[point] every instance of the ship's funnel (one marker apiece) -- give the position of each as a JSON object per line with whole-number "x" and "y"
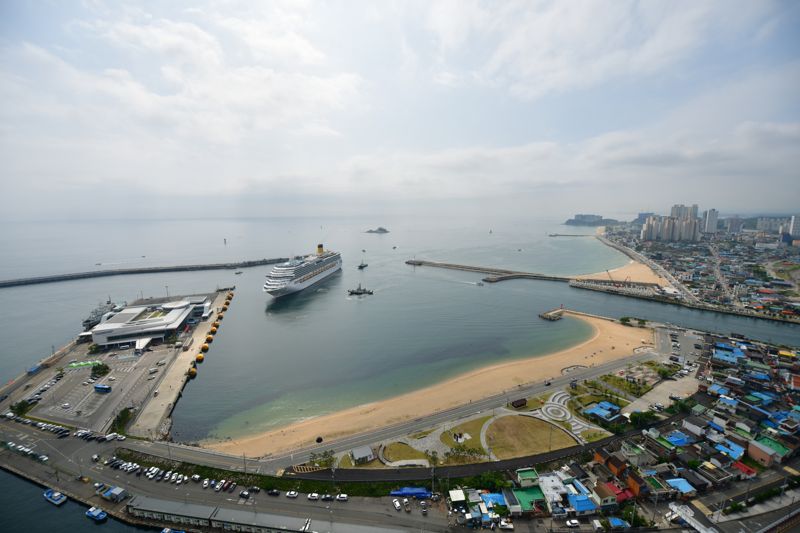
{"x": 319, "y": 249}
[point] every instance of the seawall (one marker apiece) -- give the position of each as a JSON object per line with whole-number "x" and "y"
{"x": 143, "y": 270}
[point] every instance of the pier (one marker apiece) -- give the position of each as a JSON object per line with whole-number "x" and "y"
{"x": 140, "y": 270}
{"x": 494, "y": 274}
{"x": 553, "y": 314}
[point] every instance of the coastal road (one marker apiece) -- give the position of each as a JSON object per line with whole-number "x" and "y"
{"x": 71, "y": 457}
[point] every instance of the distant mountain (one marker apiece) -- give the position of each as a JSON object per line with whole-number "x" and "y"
{"x": 379, "y": 229}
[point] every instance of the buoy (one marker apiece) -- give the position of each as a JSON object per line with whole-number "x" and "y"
{"x": 225, "y": 307}
{"x": 209, "y": 338}
{"x": 215, "y": 324}
{"x": 220, "y": 316}
{"x": 204, "y": 347}
{"x": 192, "y": 372}
{"x": 199, "y": 358}
{"x": 212, "y": 330}
{"x": 230, "y": 294}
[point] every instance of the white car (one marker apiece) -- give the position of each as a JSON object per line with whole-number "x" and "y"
{"x": 205, "y": 483}
{"x": 573, "y": 523}
{"x": 291, "y": 494}
{"x": 218, "y": 487}
{"x": 396, "y": 504}
{"x": 313, "y": 496}
{"x": 341, "y": 497}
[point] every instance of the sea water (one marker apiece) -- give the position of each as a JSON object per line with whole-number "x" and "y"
{"x": 278, "y": 361}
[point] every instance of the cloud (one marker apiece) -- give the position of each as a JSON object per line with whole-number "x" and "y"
{"x": 541, "y": 47}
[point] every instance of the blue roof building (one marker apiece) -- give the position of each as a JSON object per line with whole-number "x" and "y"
{"x": 601, "y": 413}
{"x": 582, "y": 504}
{"x": 678, "y": 438}
{"x": 718, "y": 390}
{"x": 731, "y": 449}
{"x": 682, "y": 486}
{"x": 608, "y": 406}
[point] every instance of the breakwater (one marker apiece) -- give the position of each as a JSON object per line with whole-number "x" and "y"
{"x": 141, "y": 270}
{"x": 494, "y": 274}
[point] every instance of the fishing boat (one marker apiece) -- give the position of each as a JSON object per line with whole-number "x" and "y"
{"x": 362, "y": 265}
{"x": 360, "y": 291}
{"x": 54, "y": 497}
{"x": 96, "y": 514}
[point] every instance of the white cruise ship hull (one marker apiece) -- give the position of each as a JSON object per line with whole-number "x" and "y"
{"x": 295, "y": 286}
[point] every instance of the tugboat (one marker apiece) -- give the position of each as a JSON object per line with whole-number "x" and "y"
{"x": 360, "y": 291}
{"x": 54, "y": 497}
{"x": 96, "y": 514}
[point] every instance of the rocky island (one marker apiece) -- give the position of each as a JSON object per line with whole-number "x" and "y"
{"x": 379, "y": 229}
{"x": 590, "y": 220}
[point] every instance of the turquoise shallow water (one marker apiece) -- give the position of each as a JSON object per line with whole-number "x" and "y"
{"x": 318, "y": 351}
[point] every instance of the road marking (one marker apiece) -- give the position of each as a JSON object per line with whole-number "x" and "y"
{"x": 702, "y": 507}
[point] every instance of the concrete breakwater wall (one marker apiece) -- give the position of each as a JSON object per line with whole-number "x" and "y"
{"x": 141, "y": 270}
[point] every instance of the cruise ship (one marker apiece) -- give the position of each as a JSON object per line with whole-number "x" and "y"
{"x": 301, "y": 272}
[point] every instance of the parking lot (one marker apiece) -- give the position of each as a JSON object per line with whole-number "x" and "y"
{"x": 677, "y": 344}
{"x": 73, "y": 400}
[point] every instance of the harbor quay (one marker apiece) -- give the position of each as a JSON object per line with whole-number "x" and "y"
{"x": 130, "y": 366}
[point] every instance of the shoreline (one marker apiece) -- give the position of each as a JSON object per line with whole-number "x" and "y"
{"x": 610, "y": 341}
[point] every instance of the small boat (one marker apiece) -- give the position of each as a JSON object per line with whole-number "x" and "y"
{"x": 54, "y": 497}
{"x": 360, "y": 291}
{"x": 363, "y": 265}
{"x": 479, "y": 284}
{"x": 238, "y": 272}
{"x": 96, "y": 514}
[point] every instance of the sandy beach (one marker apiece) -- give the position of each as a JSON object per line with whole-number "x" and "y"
{"x": 634, "y": 270}
{"x": 610, "y": 341}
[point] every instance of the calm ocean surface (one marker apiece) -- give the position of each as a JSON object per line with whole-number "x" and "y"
{"x": 319, "y": 350}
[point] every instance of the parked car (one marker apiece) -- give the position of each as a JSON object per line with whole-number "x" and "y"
{"x": 341, "y": 497}
{"x": 396, "y": 504}
{"x": 327, "y": 498}
{"x": 573, "y": 523}
{"x": 274, "y": 492}
{"x": 244, "y": 494}
{"x": 291, "y": 494}
{"x": 313, "y": 496}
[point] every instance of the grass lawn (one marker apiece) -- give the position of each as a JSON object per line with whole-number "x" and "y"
{"x": 534, "y": 402}
{"x": 592, "y": 435}
{"x": 624, "y": 385}
{"x": 516, "y": 436}
{"x": 422, "y": 434}
{"x": 345, "y": 462}
{"x": 399, "y": 451}
{"x": 473, "y": 427}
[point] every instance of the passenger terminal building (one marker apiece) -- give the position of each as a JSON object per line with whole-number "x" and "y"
{"x": 152, "y": 321}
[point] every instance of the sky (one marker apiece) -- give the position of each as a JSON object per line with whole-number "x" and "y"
{"x": 228, "y": 108}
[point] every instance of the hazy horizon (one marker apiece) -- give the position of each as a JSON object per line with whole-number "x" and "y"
{"x": 234, "y": 109}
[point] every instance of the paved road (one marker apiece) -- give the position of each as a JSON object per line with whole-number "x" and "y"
{"x": 72, "y": 457}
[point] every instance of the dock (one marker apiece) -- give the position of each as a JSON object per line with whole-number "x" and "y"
{"x": 142, "y": 270}
{"x": 493, "y": 274}
{"x": 154, "y": 421}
